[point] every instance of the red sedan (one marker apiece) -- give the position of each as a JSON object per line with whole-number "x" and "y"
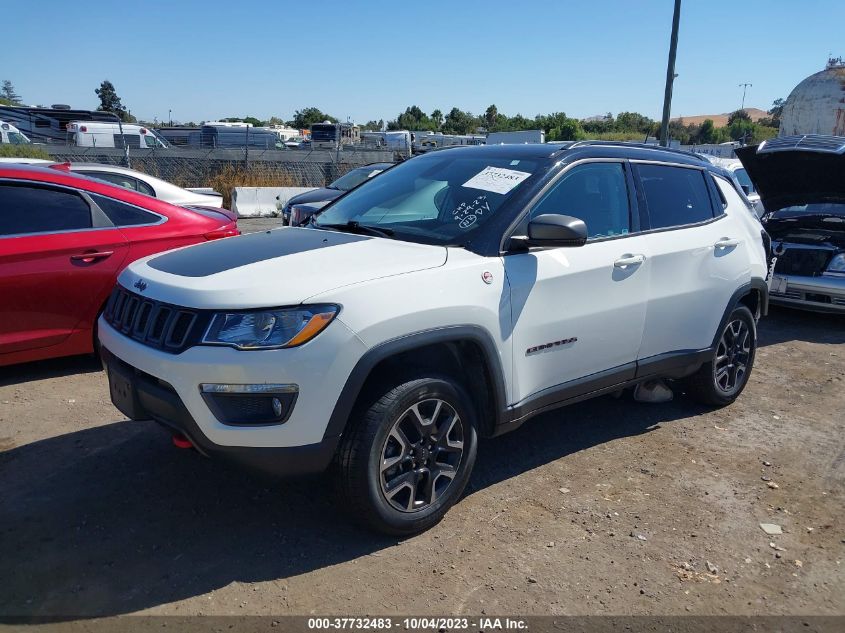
{"x": 63, "y": 241}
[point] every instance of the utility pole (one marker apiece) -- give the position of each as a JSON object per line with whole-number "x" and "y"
{"x": 744, "y": 88}
{"x": 670, "y": 76}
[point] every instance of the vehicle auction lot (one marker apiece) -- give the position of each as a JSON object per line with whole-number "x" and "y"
{"x": 609, "y": 506}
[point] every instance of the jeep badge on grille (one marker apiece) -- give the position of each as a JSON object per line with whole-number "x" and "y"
{"x": 141, "y": 285}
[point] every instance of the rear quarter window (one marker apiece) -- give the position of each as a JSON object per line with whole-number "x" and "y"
{"x": 122, "y": 214}
{"x": 675, "y": 196}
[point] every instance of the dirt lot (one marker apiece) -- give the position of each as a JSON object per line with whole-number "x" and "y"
{"x": 607, "y": 507}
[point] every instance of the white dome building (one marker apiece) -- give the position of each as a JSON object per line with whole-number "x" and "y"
{"x": 817, "y": 104}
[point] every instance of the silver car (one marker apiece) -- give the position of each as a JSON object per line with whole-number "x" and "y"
{"x": 801, "y": 181}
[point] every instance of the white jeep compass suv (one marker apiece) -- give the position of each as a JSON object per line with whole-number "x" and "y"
{"x": 453, "y": 297}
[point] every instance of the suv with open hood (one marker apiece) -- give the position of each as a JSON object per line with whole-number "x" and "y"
{"x": 801, "y": 181}
{"x": 452, "y": 297}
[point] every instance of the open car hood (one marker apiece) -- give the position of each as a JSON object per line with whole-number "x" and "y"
{"x": 793, "y": 171}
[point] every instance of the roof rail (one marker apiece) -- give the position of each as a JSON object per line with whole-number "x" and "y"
{"x": 804, "y": 142}
{"x": 634, "y": 144}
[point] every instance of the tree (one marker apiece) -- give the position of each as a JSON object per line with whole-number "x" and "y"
{"x": 738, "y": 115}
{"x": 8, "y": 93}
{"x": 303, "y": 119}
{"x": 567, "y": 130}
{"x": 491, "y": 116}
{"x": 110, "y": 102}
{"x": 437, "y": 119}
{"x": 706, "y": 133}
{"x": 459, "y": 122}
{"x": 775, "y": 113}
{"x": 633, "y": 122}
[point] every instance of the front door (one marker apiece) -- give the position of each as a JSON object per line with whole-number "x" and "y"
{"x": 54, "y": 264}
{"x": 578, "y": 313}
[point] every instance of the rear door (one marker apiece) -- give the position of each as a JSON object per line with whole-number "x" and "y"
{"x": 59, "y": 256}
{"x": 696, "y": 259}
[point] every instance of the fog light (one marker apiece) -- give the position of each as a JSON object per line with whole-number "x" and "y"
{"x": 250, "y": 405}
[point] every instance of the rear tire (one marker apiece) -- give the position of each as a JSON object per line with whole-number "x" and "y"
{"x": 407, "y": 457}
{"x": 720, "y": 381}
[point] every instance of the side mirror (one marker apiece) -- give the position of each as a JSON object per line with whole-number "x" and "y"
{"x": 746, "y": 189}
{"x": 551, "y": 229}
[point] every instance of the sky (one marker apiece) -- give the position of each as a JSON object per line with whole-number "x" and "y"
{"x": 370, "y": 59}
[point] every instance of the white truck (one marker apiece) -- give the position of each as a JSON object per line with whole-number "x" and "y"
{"x": 453, "y": 297}
{"x": 520, "y": 137}
{"x": 100, "y": 134}
{"x": 11, "y": 135}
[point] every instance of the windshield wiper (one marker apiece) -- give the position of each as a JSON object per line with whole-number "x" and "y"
{"x": 356, "y": 227}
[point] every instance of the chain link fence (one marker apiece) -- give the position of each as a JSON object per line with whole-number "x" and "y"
{"x": 203, "y": 167}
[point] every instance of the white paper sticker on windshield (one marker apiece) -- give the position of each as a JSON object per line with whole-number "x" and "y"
{"x": 496, "y": 179}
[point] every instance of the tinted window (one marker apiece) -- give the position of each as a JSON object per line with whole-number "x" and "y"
{"x": 122, "y": 214}
{"x": 145, "y": 188}
{"x": 26, "y": 209}
{"x": 744, "y": 180}
{"x": 596, "y": 193}
{"x": 675, "y": 195}
{"x": 120, "y": 180}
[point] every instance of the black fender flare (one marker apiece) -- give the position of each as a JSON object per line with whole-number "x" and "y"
{"x": 451, "y": 334}
{"x": 757, "y": 284}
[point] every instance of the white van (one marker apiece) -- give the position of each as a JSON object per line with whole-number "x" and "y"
{"x": 99, "y": 134}
{"x": 11, "y": 135}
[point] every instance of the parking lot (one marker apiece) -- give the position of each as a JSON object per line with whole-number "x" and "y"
{"x": 609, "y": 506}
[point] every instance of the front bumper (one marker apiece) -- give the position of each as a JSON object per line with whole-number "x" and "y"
{"x": 166, "y": 388}
{"x": 825, "y": 293}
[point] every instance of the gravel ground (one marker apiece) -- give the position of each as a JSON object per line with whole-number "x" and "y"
{"x": 607, "y": 507}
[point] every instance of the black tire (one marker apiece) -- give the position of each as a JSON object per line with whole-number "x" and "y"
{"x": 720, "y": 381}
{"x": 427, "y": 475}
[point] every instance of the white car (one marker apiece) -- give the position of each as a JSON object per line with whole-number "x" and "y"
{"x": 144, "y": 183}
{"x": 453, "y": 297}
{"x": 735, "y": 167}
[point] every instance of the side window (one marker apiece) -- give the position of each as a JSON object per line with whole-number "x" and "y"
{"x": 122, "y": 214}
{"x": 132, "y": 140}
{"x": 596, "y": 193}
{"x": 145, "y": 188}
{"x": 32, "y": 209}
{"x": 675, "y": 195}
{"x": 120, "y": 180}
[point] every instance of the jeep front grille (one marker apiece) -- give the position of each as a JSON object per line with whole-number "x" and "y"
{"x": 154, "y": 323}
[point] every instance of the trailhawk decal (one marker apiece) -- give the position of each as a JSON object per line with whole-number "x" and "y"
{"x": 545, "y": 347}
{"x": 215, "y": 257}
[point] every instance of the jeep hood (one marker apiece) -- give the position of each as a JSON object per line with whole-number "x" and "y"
{"x": 273, "y": 268}
{"x": 794, "y": 177}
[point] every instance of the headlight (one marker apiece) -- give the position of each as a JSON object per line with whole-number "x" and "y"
{"x": 837, "y": 264}
{"x": 269, "y": 329}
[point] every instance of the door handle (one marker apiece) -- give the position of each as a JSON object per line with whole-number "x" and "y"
{"x": 91, "y": 256}
{"x": 726, "y": 242}
{"x": 629, "y": 260}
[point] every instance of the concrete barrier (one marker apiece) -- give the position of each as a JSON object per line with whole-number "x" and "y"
{"x": 253, "y": 202}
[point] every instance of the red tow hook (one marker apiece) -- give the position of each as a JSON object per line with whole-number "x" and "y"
{"x": 180, "y": 441}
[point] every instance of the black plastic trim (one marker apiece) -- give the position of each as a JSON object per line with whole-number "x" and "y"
{"x": 361, "y": 371}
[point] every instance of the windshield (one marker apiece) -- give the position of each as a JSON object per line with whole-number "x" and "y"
{"x": 744, "y": 180}
{"x": 439, "y": 198}
{"x": 818, "y": 208}
{"x": 354, "y": 178}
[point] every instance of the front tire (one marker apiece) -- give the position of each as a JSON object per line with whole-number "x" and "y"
{"x": 720, "y": 381}
{"x": 408, "y": 456}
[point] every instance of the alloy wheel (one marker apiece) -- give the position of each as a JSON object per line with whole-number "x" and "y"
{"x": 421, "y": 455}
{"x": 733, "y": 354}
